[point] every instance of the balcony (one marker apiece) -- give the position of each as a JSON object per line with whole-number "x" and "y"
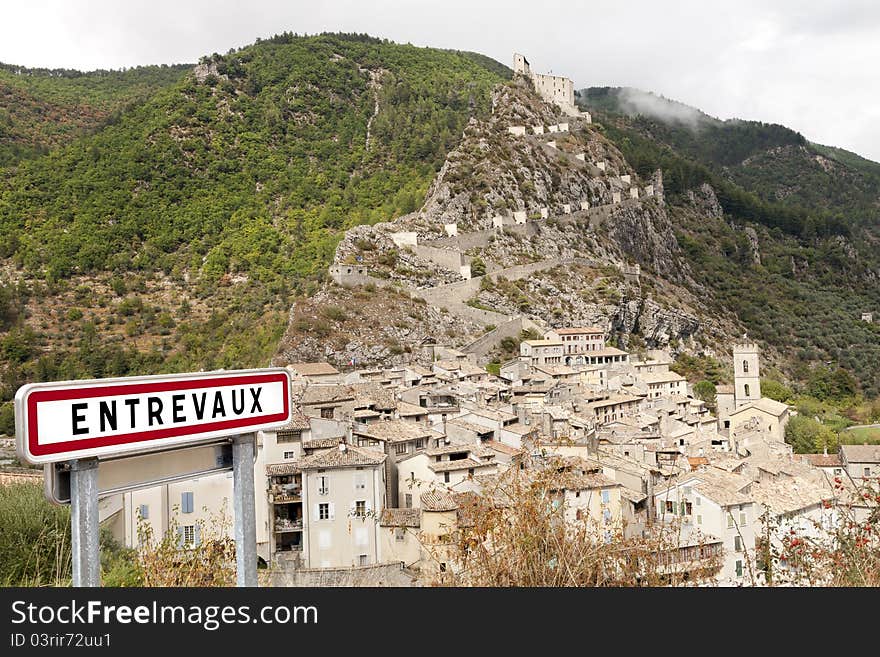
{"x": 282, "y": 493}
{"x": 283, "y": 525}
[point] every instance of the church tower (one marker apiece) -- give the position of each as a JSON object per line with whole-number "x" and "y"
{"x": 746, "y": 373}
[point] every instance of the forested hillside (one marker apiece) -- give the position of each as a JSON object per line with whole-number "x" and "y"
{"x": 796, "y": 253}
{"x": 177, "y": 235}
{"x": 41, "y": 109}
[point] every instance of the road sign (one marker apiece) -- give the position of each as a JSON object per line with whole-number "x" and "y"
{"x": 110, "y": 417}
{"x": 133, "y": 472}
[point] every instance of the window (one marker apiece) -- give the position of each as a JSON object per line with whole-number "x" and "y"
{"x": 697, "y": 501}
{"x": 670, "y": 507}
{"x": 399, "y": 534}
{"x": 699, "y": 519}
{"x": 360, "y": 481}
{"x": 408, "y": 500}
{"x": 730, "y": 520}
{"x": 323, "y": 485}
{"x": 837, "y": 471}
{"x": 289, "y": 455}
{"x": 742, "y": 519}
{"x": 288, "y": 436}
{"x": 446, "y": 477}
{"x": 360, "y": 508}
{"x": 737, "y": 544}
{"x": 188, "y": 536}
{"x": 363, "y": 560}
{"x": 186, "y": 503}
{"x": 420, "y": 443}
{"x": 746, "y": 368}
{"x": 323, "y": 511}
{"x": 606, "y": 496}
{"x": 747, "y": 390}
{"x": 470, "y": 472}
{"x": 327, "y": 413}
{"x": 144, "y": 511}
{"x": 739, "y": 568}
{"x": 400, "y": 448}
{"x": 442, "y": 566}
{"x": 608, "y": 536}
{"x": 867, "y": 472}
{"x": 606, "y": 514}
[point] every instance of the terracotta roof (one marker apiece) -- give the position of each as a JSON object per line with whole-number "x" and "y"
{"x": 438, "y": 500}
{"x": 696, "y": 461}
{"x": 321, "y": 443}
{"x": 336, "y": 458}
{"x": 543, "y": 343}
{"x": 279, "y": 469}
{"x": 451, "y": 448}
{"x": 724, "y": 390}
{"x": 587, "y": 481}
{"x": 520, "y": 428}
{"x": 821, "y": 460}
{"x": 720, "y": 486}
{"x": 298, "y": 420}
{"x": 763, "y": 404}
{"x": 460, "y": 464}
{"x": 577, "y": 331}
{"x": 394, "y": 431}
{"x": 470, "y": 426}
{"x": 325, "y": 394}
{"x": 401, "y": 518}
{"x": 501, "y": 447}
{"x": 405, "y": 409}
{"x": 861, "y": 453}
{"x": 312, "y": 369}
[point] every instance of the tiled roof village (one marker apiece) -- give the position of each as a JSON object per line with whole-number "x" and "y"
{"x": 379, "y": 468}
{"x": 378, "y": 465}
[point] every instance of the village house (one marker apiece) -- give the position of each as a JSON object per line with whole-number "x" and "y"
{"x": 443, "y": 466}
{"x": 314, "y": 372}
{"x": 343, "y": 494}
{"x": 541, "y": 352}
{"x": 861, "y": 461}
{"x": 577, "y": 342}
{"x": 719, "y": 505}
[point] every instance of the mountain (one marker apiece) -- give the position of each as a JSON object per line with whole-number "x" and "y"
{"x": 796, "y": 254}
{"x": 186, "y": 219}
{"x": 175, "y": 236}
{"x": 41, "y": 109}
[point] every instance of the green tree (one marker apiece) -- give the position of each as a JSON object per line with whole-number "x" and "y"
{"x": 775, "y": 390}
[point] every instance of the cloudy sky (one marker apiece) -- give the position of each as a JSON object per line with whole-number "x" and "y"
{"x": 808, "y": 64}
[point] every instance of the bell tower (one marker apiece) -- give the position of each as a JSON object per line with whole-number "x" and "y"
{"x": 746, "y": 373}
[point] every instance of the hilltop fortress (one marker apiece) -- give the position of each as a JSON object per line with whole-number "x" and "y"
{"x": 554, "y": 89}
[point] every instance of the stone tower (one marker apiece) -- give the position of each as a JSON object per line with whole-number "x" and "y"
{"x": 521, "y": 65}
{"x": 746, "y": 373}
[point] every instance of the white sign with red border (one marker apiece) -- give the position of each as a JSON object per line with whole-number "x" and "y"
{"x": 110, "y": 417}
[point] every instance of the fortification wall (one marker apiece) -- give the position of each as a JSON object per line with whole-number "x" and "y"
{"x": 447, "y": 258}
{"x": 386, "y": 574}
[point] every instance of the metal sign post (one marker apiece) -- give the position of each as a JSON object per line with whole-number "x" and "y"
{"x": 84, "y": 522}
{"x": 133, "y": 424}
{"x": 245, "y": 510}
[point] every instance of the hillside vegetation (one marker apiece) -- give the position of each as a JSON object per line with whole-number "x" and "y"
{"x": 41, "y": 109}
{"x": 175, "y": 237}
{"x": 795, "y": 254}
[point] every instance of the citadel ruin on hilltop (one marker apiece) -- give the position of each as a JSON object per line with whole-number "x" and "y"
{"x": 554, "y": 89}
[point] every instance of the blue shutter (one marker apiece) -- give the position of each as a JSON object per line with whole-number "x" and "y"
{"x": 197, "y": 535}
{"x": 186, "y": 503}
{"x": 180, "y": 541}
